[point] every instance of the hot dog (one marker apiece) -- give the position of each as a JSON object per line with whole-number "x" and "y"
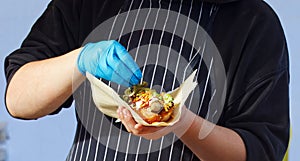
{"x": 150, "y": 105}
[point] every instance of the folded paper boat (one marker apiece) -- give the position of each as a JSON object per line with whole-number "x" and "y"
{"x": 107, "y": 100}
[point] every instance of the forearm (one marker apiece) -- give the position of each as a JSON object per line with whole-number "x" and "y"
{"x": 220, "y": 144}
{"x": 39, "y": 88}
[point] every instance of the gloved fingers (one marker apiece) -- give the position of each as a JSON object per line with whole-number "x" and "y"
{"x": 126, "y": 58}
{"x": 133, "y": 67}
{"x": 109, "y": 60}
{"x": 122, "y": 64}
{"x": 116, "y": 78}
{"x": 134, "y": 79}
{"x": 109, "y": 73}
{"x": 121, "y": 73}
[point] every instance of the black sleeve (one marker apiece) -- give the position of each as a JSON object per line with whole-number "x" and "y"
{"x": 53, "y": 34}
{"x": 257, "y": 105}
{"x": 261, "y": 117}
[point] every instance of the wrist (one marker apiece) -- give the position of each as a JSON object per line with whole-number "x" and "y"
{"x": 187, "y": 121}
{"x": 81, "y": 58}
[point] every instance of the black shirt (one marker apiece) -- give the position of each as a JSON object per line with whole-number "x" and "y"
{"x": 249, "y": 40}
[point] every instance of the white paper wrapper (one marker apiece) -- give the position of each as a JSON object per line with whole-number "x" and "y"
{"x": 108, "y": 101}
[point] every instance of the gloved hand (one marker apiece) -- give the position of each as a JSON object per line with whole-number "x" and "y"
{"x": 109, "y": 60}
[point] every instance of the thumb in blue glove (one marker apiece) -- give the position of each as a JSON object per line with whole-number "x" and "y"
{"x": 109, "y": 60}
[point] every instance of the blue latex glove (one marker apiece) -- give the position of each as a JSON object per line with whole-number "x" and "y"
{"x": 109, "y": 60}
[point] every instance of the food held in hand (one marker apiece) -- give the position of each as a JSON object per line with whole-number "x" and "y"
{"x": 150, "y": 105}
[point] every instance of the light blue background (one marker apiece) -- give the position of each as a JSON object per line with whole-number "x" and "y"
{"x": 50, "y": 138}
